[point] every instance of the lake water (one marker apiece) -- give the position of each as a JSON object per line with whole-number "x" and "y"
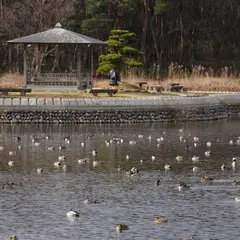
{"x": 35, "y": 206}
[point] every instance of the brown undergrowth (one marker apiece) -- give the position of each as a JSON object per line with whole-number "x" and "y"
{"x": 195, "y": 83}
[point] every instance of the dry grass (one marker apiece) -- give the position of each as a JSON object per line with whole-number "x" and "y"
{"x": 11, "y": 80}
{"x": 196, "y": 83}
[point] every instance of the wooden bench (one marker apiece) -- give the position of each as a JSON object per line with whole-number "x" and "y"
{"x": 110, "y": 92}
{"x": 141, "y": 83}
{"x": 155, "y": 88}
{"x": 22, "y": 91}
{"x": 175, "y": 87}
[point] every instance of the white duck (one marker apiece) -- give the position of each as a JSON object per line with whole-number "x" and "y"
{"x": 72, "y": 213}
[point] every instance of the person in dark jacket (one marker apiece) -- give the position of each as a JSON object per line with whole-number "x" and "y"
{"x": 114, "y": 77}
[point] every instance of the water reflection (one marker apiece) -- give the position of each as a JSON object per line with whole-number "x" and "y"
{"x": 35, "y": 205}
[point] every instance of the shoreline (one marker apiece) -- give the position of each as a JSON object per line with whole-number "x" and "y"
{"x": 118, "y": 110}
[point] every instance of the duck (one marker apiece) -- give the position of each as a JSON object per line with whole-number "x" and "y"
{"x": 94, "y": 152}
{"x": 11, "y": 163}
{"x": 195, "y": 169}
{"x": 196, "y": 139}
{"x": 179, "y": 158}
{"x": 153, "y": 157}
{"x": 235, "y": 182}
{"x": 72, "y": 213}
{"x": 195, "y": 158}
{"x": 39, "y": 170}
{"x": 208, "y": 153}
{"x": 96, "y": 163}
{"x": 157, "y": 182}
{"x": 62, "y": 147}
{"x": 237, "y": 199}
{"x": 182, "y": 185}
{"x": 50, "y": 148}
{"x": 121, "y": 227}
{"x": 57, "y": 163}
{"x": 159, "y": 220}
{"x": 83, "y": 161}
{"x": 61, "y": 158}
{"x": 11, "y": 153}
{"x": 209, "y": 144}
{"x": 89, "y": 201}
{"x": 207, "y": 178}
{"x": 167, "y": 167}
{"x": 13, "y": 237}
{"x": 223, "y": 167}
{"x": 234, "y": 162}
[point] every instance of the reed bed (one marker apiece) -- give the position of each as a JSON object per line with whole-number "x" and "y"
{"x": 199, "y": 79}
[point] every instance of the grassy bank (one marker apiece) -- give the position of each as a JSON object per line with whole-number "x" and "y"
{"x": 129, "y": 88}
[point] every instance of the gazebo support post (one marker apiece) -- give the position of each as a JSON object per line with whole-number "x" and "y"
{"x": 25, "y": 65}
{"x": 79, "y": 84}
{"x": 90, "y": 80}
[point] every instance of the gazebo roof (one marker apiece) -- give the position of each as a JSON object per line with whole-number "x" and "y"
{"x": 57, "y": 35}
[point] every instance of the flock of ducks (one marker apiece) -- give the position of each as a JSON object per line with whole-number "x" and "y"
{"x": 61, "y": 163}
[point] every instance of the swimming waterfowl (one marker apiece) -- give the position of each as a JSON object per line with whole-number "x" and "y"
{"x": 223, "y": 167}
{"x": 195, "y": 139}
{"x": 167, "y": 167}
{"x": 179, "y": 158}
{"x": 50, "y": 148}
{"x": 208, "y": 153}
{"x": 157, "y": 182}
{"x": 181, "y": 138}
{"x": 13, "y": 237}
{"x": 121, "y": 227}
{"x": 83, "y": 161}
{"x": 195, "y": 158}
{"x": 61, "y": 158}
{"x": 182, "y": 185}
{"x": 96, "y": 163}
{"x": 36, "y": 143}
{"x": 39, "y": 170}
{"x": 94, "y": 152}
{"x": 237, "y": 199}
{"x": 11, "y": 153}
{"x": 209, "y": 144}
{"x": 57, "y": 163}
{"x": 195, "y": 169}
{"x": 207, "y": 178}
{"x": 153, "y": 157}
{"x": 235, "y": 182}
{"x": 234, "y": 162}
{"x": 11, "y": 163}
{"x": 62, "y": 147}
{"x": 159, "y": 220}
{"x": 72, "y": 213}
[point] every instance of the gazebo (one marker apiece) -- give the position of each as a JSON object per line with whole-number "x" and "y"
{"x": 57, "y": 36}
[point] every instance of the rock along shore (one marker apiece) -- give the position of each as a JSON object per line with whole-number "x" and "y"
{"x": 118, "y": 110}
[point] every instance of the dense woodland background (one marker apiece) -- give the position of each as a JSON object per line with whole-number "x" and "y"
{"x": 186, "y": 33}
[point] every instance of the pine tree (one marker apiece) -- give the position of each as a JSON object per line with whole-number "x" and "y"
{"x": 121, "y": 54}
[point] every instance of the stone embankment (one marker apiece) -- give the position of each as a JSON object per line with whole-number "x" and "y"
{"x": 118, "y": 110}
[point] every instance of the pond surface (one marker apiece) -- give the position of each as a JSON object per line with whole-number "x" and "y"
{"x": 35, "y": 206}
